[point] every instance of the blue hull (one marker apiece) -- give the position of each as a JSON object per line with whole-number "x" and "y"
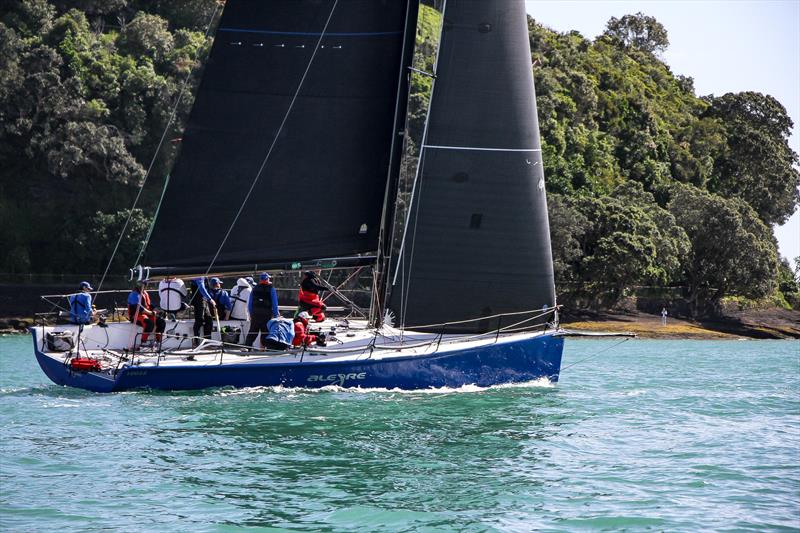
{"x": 506, "y": 362}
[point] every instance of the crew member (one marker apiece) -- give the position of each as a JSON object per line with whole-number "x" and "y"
{"x": 263, "y": 306}
{"x": 301, "y": 335}
{"x": 80, "y": 305}
{"x": 221, "y": 298}
{"x": 203, "y": 304}
{"x": 141, "y": 312}
{"x": 240, "y": 295}
{"x": 279, "y": 334}
{"x": 172, "y": 295}
{"x": 308, "y": 298}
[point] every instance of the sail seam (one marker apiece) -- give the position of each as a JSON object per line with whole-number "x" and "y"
{"x": 314, "y": 34}
{"x": 481, "y": 149}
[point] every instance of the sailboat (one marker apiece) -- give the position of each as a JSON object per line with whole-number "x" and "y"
{"x": 291, "y": 160}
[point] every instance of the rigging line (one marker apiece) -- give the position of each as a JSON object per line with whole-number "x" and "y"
{"x": 406, "y": 288}
{"x": 153, "y": 222}
{"x": 376, "y": 299}
{"x": 275, "y": 139}
{"x": 422, "y": 145}
{"x": 174, "y": 112}
{"x": 407, "y": 283}
{"x": 594, "y": 355}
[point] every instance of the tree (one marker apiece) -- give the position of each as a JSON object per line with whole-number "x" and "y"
{"x": 733, "y": 252}
{"x": 628, "y": 240}
{"x": 639, "y": 32}
{"x": 758, "y": 165}
{"x": 567, "y": 226}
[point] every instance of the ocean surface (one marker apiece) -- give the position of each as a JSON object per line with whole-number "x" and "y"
{"x": 643, "y": 435}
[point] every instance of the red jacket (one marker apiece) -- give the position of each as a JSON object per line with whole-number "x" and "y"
{"x": 300, "y": 336}
{"x": 311, "y": 299}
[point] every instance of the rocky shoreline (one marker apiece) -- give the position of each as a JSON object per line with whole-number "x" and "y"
{"x": 754, "y": 324}
{"x": 751, "y": 324}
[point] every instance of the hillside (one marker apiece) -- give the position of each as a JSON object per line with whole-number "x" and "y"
{"x": 654, "y": 191}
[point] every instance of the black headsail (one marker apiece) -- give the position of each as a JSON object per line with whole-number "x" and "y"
{"x": 321, "y": 192}
{"x": 477, "y": 241}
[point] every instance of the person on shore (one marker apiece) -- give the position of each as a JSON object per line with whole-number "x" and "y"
{"x": 263, "y": 306}
{"x": 172, "y": 296}
{"x": 240, "y": 296}
{"x": 141, "y": 312}
{"x": 308, "y": 298}
{"x": 222, "y": 299}
{"x": 203, "y": 306}
{"x": 664, "y": 316}
{"x": 81, "y": 311}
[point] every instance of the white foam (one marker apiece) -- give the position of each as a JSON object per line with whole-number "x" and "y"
{"x": 471, "y": 388}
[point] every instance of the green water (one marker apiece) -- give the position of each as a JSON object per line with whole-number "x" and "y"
{"x": 650, "y": 435}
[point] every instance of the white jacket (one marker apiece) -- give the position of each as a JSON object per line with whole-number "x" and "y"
{"x": 171, "y": 294}
{"x": 240, "y": 294}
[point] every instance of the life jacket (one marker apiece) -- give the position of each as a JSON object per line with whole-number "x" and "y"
{"x": 239, "y": 297}
{"x": 171, "y": 294}
{"x": 262, "y": 298}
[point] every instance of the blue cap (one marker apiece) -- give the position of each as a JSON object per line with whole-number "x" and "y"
{"x": 264, "y": 276}
{"x": 86, "y": 285}
{"x": 215, "y": 281}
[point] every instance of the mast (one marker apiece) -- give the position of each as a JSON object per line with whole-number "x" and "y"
{"x": 386, "y": 231}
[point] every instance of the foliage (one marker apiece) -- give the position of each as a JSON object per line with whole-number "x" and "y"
{"x": 639, "y": 32}
{"x": 647, "y": 182}
{"x": 733, "y": 251}
{"x": 757, "y": 164}
{"x": 614, "y": 241}
{"x": 86, "y": 90}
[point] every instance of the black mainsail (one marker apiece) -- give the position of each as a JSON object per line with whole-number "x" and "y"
{"x": 477, "y": 240}
{"x": 321, "y": 193}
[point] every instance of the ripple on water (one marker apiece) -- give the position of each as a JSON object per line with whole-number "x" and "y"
{"x": 652, "y": 435}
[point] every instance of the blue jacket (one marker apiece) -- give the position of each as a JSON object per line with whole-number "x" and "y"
{"x": 200, "y": 286}
{"x": 222, "y": 298}
{"x": 281, "y": 330}
{"x": 80, "y": 308}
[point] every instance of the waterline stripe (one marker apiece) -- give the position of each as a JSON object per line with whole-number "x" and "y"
{"x": 312, "y": 34}
{"x": 482, "y": 149}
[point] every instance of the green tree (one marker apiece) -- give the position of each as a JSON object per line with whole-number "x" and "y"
{"x": 758, "y": 165}
{"x": 733, "y": 252}
{"x": 567, "y": 226}
{"x": 639, "y": 32}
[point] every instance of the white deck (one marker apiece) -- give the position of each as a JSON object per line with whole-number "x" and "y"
{"x": 353, "y": 341}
